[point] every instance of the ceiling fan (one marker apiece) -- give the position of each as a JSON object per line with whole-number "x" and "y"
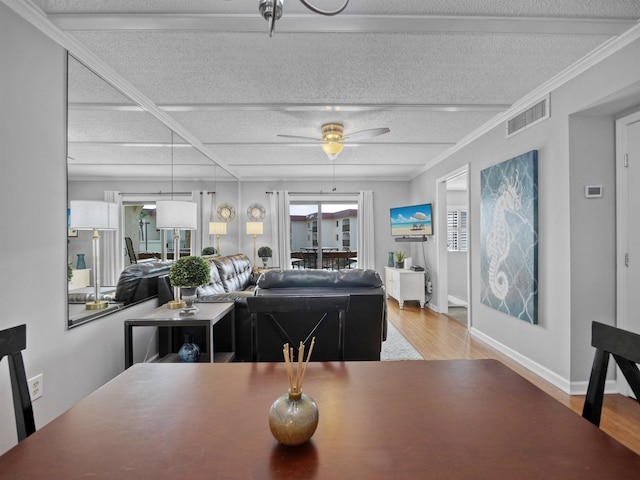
{"x": 271, "y": 10}
{"x": 333, "y": 137}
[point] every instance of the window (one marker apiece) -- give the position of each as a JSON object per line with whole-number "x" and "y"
{"x": 457, "y": 240}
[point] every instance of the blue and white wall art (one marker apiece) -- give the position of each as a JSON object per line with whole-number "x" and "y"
{"x": 509, "y": 237}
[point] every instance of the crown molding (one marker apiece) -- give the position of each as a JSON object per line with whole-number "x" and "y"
{"x": 597, "y": 55}
{"x": 345, "y": 23}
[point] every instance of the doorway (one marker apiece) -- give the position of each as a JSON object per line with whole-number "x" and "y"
{"x": 453, "y": 245}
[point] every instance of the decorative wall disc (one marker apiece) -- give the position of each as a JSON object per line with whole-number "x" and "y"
{"x": 255, "y": 211}
{"x": 226, "y": 212}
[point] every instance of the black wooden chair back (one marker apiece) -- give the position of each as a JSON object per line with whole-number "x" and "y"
{"x": 625, "y": 348}
{"x": 130, "y": 251}
{"x": 12, "y": 342}
{"x": 276, "y": 320}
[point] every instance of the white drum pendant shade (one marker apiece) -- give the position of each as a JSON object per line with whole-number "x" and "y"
{"x": 87, "y": 215}
{"x": 176, "y": 214}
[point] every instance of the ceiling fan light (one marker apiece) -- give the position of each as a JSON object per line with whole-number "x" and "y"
{"x": 332, "y": 149}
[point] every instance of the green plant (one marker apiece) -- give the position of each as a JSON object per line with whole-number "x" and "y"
{"x": 69, "y": 271}
{"x": 265, "y": 252}
{"x": 399, "y": 256}
{"x": 209, "y": 251}
{"x": 189, "y": 272}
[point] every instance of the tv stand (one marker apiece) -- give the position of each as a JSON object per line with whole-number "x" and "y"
{"x": 404, "y": 285}
{"x": 421, "y": 238}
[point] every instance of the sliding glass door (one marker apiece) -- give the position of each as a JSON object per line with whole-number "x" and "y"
{"x": 324, "y": 234}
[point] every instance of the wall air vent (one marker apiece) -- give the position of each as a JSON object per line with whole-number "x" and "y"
{"x": 532, "y": 115}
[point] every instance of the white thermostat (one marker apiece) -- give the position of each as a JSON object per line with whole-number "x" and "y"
{"x": 593, "y": 191}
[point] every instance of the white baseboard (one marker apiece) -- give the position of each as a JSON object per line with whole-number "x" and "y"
{"x": 543, "y": 372}
{"x": 580, "y": 388}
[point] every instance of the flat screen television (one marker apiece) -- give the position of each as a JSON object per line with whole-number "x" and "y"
{"x": 412, "y": 220}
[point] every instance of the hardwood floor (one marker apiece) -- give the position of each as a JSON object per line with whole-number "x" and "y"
{"x": 439, "y": 337}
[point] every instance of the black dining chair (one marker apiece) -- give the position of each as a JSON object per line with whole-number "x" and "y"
{"x": 130, "y": 251}
{"x": 12, "y": 342}
{"x": 625, "y": 348}
{"x": 276, "y": 320}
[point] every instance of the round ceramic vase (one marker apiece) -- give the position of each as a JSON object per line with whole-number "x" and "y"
{"x": 293, "y": 418}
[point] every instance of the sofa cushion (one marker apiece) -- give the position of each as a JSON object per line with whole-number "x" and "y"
{"x": 347, "y": 279}
{"x": 234, "y": 271}
{"x": 215, "y": 283}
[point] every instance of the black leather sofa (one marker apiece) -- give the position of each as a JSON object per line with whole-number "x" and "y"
{"x": 139, "y": 281}
{"x": 365, "y": 323}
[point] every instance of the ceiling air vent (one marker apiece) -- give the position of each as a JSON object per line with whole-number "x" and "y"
{"x": 532, "y": 115}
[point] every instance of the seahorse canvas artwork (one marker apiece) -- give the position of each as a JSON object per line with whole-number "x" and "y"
{"x": 509, "y": 236}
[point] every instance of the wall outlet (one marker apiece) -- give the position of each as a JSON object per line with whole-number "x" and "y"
{"x": 36, "y": 389}
{"x": 429, "y": 287}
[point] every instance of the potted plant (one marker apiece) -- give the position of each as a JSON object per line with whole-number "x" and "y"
{"x": 265, "y": 254}
{"x": 188, "y": 273}
{"x": 69, "y": 271}
{"x": 399, "y": 259}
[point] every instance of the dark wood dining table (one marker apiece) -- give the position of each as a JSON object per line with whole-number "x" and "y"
{"x": 455, "y": 419}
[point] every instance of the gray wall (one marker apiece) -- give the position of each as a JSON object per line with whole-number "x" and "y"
{"x": 572, "y": 152}
{"x": 593, "y": 232}
{"x": 33, "y": 246}
{"x": 243, "y": 194}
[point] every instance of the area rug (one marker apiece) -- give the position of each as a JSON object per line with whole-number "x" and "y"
{"x": 396, "y": 347}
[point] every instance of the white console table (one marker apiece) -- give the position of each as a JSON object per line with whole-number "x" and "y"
{"x": 404, "y": 285}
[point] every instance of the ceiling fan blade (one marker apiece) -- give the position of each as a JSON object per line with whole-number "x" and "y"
{"x": 362, "y": 134}
{"x": 301, "y": 138}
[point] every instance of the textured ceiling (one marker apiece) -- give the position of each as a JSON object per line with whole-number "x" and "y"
{"x": 431, "y": 71}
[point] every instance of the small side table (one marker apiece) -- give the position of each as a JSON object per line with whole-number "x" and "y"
{"x": 208, "y": 316}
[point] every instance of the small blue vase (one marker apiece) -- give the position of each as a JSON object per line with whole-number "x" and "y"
{"x": 81, "y": 265}
{"x": 391, "y": 260}
{"x": 189, "y": 352}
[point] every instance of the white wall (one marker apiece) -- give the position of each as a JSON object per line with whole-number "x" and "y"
{"x": 570, "y": 249}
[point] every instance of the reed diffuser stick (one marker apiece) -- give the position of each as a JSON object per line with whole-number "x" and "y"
{"x": 301, "y": 368}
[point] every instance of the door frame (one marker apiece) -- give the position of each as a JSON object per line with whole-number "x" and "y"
{"x": 442, "y": 262}
{"x": 622, "y": 230}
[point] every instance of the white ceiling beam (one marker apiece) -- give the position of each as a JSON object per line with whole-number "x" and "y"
{"x": 297, "y": 107}
{"x": 259, "y": 144}
{"x": 293, "y": 23}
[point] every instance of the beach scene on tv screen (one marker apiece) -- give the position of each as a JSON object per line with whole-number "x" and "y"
{"x": 413, "y": 220}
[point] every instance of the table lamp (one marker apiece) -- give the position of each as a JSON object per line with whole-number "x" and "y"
{"x": 254, "y": 228}
{"x": 94, "y": 215}
{"x": 217, "y": 229}
{"x": 176, "y": 216}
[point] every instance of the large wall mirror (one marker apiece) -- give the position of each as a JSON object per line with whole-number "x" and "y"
{"x": 120, "y": 153}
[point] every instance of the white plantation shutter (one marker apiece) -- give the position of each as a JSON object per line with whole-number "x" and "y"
{"x": 462, "y": 231}
{"x": 457, "y": 238}
{"x": 452, "y": 230}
